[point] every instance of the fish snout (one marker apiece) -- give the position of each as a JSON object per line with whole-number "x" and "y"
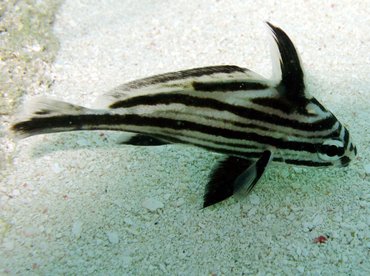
{"x": 350, "y": 154}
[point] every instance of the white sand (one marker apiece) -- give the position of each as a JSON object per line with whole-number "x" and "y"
{"x": 74, "y": 203}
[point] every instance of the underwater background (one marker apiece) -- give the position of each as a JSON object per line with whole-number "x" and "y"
{"x": 79, "y": 203}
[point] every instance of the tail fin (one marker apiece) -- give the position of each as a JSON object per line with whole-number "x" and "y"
{"x": 43, "y": 115}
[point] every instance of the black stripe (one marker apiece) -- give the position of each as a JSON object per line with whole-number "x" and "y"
{"x": 228, "y": 86}
{"x": 191, "y": 73}
{"x": 346, "y": 138}
{"x": 307, "y": 163}
{"x": 49, "y": 124}
{"x": 42, "y": 112}
{"x": 230, "y": 122}
{"x": 247, "y": 155}
{"x": 274, "y": 103}
{"x": 257, "y": 127}
{"x": 278, "y": 159}
{"x": 77, "y": 123}
{"x": 252, "y": 155}
{"x": 351, "y": 147}
{"x": 226, "y": 133}
{"x": 331, "y": 150}
{"x": 283, "y": 105}
{"x": 241, "y": 111}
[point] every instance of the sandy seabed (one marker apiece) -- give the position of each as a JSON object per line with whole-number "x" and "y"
{"x": 79, "y": 203}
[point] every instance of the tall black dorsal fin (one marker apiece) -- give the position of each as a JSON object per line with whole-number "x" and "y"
{"x": 291, "y": 85}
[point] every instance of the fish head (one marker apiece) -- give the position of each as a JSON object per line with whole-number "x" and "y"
{"x": 339, "y": 150}
{"x": 332, "y": 145}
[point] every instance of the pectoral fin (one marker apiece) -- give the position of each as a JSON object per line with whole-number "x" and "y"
{"x": 234, "y": 175}
{"x": 245, "y": 182}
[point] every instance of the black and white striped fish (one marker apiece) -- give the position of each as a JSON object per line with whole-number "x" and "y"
{"x": 225, "y": 109}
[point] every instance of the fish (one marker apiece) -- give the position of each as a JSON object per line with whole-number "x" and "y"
{"x": 249, "y": 120}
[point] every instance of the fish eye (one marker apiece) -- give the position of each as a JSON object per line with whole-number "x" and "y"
{"x": 331, "y": 149}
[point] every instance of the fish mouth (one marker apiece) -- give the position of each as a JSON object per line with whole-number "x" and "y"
{"x": 344, "y": 161}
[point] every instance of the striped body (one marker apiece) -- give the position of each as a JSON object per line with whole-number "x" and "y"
{"x": 224, "y": 109}
{"x": 238, "y": 116}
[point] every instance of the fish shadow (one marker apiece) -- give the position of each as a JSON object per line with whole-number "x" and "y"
{"x": 75, "y": 141}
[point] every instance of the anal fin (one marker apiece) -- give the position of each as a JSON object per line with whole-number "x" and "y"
{"x": 234, "y": 175}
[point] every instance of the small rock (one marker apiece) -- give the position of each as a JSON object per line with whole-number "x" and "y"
{"x": 152, "y": 204}
{"x": 252, "y": 212}
{"x": 179, "y": 202}
{"x": 291, "y": 216}
{"x": 298, "y": 170}
{"x": 113, "y": 237}
{"x": 4, "y": 228}
{"x": 36, "y": 47}
{"x": 254, "y": 199}
{"x": 367, "y": 168}
{"x": 82, "y": 142}
{"x": 284, "y": 173}
{"x": 8, "y": 245}
{"x": 270, "y": 217}
{"x": 30, "y": 231}
{"x": 128, "y": 221}
{"x": 126, "y": 261}
{"x": 56, "y": 168}
{"x": 317, "y": 220}
{"x": 77, "y": 229}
